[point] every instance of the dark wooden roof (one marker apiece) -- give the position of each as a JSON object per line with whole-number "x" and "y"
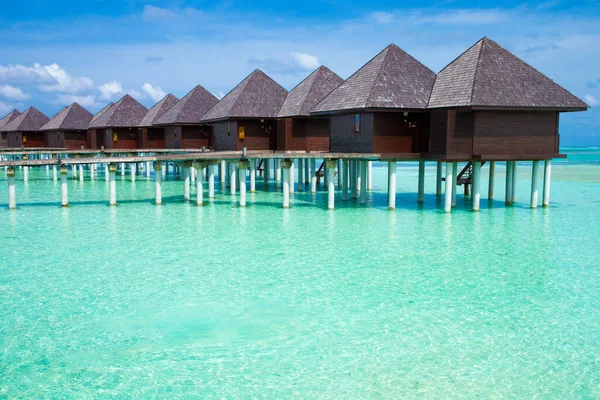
{"x": 189, "y": 109}
{"x": 73, "y": 117}
{"x": 9, "y": 117}
{"x": 99, "y": 113}
{"x": 31, "y": 120}
{"x": 257, "y": 96}
{"x": 487, "y": 75}
{"x": 309, "y": 92}
{"x": 391, "y": 80}
{"x": 126, "y": 112}
{"x": 159, "y": 109}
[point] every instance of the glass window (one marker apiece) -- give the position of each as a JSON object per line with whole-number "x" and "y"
{"x": 356, "y": 123}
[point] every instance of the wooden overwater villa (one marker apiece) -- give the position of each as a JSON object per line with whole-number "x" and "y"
{"x": 485, "y": 106}
{"x": 181, "y": 123}
{"x": 68, "y": 129}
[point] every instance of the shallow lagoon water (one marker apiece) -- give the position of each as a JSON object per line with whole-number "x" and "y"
{"x": 141, "y": 300}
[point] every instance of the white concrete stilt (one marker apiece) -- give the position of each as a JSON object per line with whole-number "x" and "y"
{"x": 158, "y": 181}
{"x": 338, "y": 167}
{"x": 198, "y": 167}
{"x": 25, "y": 174}
{"x": 266, "y": 172}
{"x": 313, "y": 175}
{"x": 330, "y": 164}
{"x": 243, "y": 166}
{"x": 112, "y": 170}
{"x": 186, "y": 181}
{"x": 438, "y": 179}
{"x": 277, "y": 166}
{"x": 122, "y": 169}
{"x": 300, "y": 174}
{"x": 421, "y": 186}
{"x": 491, "y": 181}
{"x": 54, "y": 173}
{"x": 12, "y": 191}
{"x": 193, "y": 174}
{"x": 392, "y": 185}
{"x": 306, "y": 171}
{"x": 476, "y": 185}
{"x": 223, "y": 171}
{"x": 325, "y": 174}
{"x": 454, "y": 177}
{"x": 369, "y": 175}
{"x": 81, "y": 172}
{"x": 345, "y": 169}
{"x": 286, "y": 164}
{"x": 252, "y": 175}
{"x": 449, "y": 184}
{"x": 363, "y": 182}
{"x": 353, "y": 179}
{"x": 535, "y": 178}
{"x": 513, "y": 192}
{"x": 508, "y": 186}
{"x": 232, "y": 178}
{"x": 64, "y": 188}
{"x": 132, "y": 166}
{"x": 292, "y": 177}
{"x": 211, "y": 181}
{"x": 147, "y": 169}
{"x": 547, "y": 180}
{"x": 106, "y": 173}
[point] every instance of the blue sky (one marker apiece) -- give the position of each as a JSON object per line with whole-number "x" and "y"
{"x": 94, "y": 51}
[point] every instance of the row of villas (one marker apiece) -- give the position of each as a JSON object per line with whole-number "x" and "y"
{"x": 487, "y": 104}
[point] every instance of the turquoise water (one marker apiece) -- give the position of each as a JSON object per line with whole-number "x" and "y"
{"x": 141, "y": 300}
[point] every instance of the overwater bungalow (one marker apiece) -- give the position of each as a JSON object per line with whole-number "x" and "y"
{"x": 68, "y": 128}
{"x": 117, "y": 127}
{"x": 92, "y": 132}
{"x": 247, "y": 115}
{"x": 381, "y": 108}
{"x": 152, "y": 137}
{"x": 24, "y": 130}
{"x": 5, "y": 120}
{"x": 296, "y": 129}
{"x": 181, "y": 123}
{"x": 489, "y": 105}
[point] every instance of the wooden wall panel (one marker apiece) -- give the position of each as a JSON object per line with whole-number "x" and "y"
{"x": 258, "y": 135}
{"x": 317, "y": 134}
{"x": 126, "y": 138}
{"x": 295, "y": 134}
{"x": 515, "y": 132}
{"x": 460, "y": 134}
{"x": 155, "y": 138}
{"x": 74, "y": 140}
{"x": 343, "y": 137}
{"x": 224, "y": 140}
{"x": 196, "y": 136}
{"x": 395, "y": 133}
{"x": 438, "y": 131}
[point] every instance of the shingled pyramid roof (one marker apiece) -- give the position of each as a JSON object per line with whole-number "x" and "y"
{"x": 189, "y": 109}
{"x": 99, "y": 113}
{"x": 9, "y": 117}
{"x": 126, "y": 112}
{"x": 487, "y": 75}
{"x": 257, "y": 96}
{"x": 392, "y": 79}
{"x": 159, "y": 109}
{"x": 31, "y": 120}
{"x": 309, "y": 92}
{"x": 73, "y": 117}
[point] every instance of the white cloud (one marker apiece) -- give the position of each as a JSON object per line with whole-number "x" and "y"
{"x": 306, "y": 61}
{"x": 52, "y": 78}
{"x": 65, "y": 83}
{"x": 382, "y": 17}
{"x": 219, "y": 95}
{"x": 5, "y": 108}
{"x": 153, "y": 13}
{"x": 85, "y": 101}
{"x": 11, "y": 92}
{"x": 135, "y": 94}
{"x": 110, "y": 89}
{"x": 154, "y": 92}
{"x": 591, "y": 100}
